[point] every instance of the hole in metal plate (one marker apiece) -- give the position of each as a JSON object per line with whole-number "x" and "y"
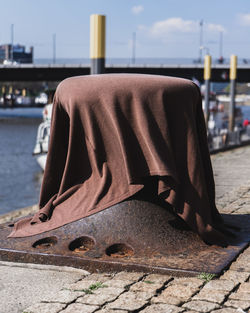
{"x": 119, "y": 250}
{"x": 45, "y": 243}
{"x": 82, "y": 244}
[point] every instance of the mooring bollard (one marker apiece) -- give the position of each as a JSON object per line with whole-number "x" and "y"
{"x": 97, "y": 43}
{"x": 233, "y": 75}
{"x": 207, "y": 76}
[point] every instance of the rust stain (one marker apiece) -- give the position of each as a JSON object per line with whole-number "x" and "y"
{"x": 135, "y": 235}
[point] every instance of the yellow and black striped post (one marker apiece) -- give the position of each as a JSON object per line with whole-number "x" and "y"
{"x": 233, "y": 76}
{"x": 207, "y": 77}
{"x": 97, "y": 43}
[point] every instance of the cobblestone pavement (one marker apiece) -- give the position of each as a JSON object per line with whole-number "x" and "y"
{"x": 137, "y": 292}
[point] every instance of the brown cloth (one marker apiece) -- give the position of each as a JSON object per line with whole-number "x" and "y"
{"x": 109, "y": 134}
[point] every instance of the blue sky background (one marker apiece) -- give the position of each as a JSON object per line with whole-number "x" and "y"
{"x": 164, "y": 28}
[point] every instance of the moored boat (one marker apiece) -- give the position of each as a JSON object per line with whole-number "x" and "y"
{"x": 42, "y": 140}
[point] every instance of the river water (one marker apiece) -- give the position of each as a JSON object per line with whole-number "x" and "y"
{"x": 20, "y": 175}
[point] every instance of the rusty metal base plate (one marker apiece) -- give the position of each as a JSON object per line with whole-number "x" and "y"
{"x": 134, "y": 235}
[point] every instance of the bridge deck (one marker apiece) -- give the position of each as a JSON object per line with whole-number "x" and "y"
{"x": 57, "y": 72}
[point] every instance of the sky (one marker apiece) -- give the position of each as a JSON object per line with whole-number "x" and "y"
{"x": 164, "y": 28}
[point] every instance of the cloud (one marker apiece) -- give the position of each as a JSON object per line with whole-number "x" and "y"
{"x": 177, "y": 25}
{"x": 215, "y": 27}
{"x": 244, "y": 19}
{"x": 172, "y": 25}
{"x": 137, "y": 9}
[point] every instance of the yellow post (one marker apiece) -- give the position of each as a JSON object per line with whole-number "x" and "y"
{"x": 3, "y": 90}
{"x": 233, "y": 76}
{"x": 97, "y": 43}
{"x": 10, "y": 90}
{"x": 207, "y": 67}
{"x": 233, "y": 67}
{"x": 207, "y": 77}
{"x": 24, "y": 92}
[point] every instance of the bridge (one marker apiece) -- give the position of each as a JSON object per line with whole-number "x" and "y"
{"x": 58, "y": 72}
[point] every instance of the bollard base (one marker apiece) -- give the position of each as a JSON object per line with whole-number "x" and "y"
{"x": 134, "y": 235}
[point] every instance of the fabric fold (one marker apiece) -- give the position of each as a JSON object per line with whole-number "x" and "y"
{"x": 110, "y": 135}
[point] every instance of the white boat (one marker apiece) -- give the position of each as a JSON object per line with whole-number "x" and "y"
{"x": 23, "y": 101}
{"x": 41, "y": 99}
{"x": 42, "y": 140}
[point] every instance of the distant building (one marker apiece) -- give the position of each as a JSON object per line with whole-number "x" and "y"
{"x": 19, "y": 54}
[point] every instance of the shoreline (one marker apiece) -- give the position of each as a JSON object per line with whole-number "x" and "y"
{"x": 20, "y": 112}
{"x": 18, "y": 213}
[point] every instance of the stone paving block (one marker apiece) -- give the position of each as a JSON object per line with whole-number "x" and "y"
{"x": 79, "y": 308}
{"x": 45, "y": 308}
{"x": 118, "y": 283}
{"x": 143, "y": 286}
{"x": 239, "y": 201}
{"x": 188, "y": 281}
{"x": 102, "y": 277}
{"x": 219, "y": 206}
{"x": 227, "y": 310}
{"x": 238, "y": 304}
{"x": 110, "y": 311}
{"x": 220, "y": 284}
{"x": 246, "y": 198}
{"x": 245, "y": 296}
{"x": 217, "y": 296}
{"x": 63, "y": 296}
{"x": 96, "y": 300}
{"x": 179, "y": 292}
{"x": 244, "y": 287}
{"x": 241, "y": 266}
{"x": 101, "y": 296}
{"x": 109, "y": 290}
{"x": 81, "y": 285}
{"x": 128, "y": 276}
{"x": 157, "y": 278}
{"x": 244, "y": 257}
{"x": 226, "y": 199}
{"x": 243, "y": 210}
{"x": 235, "y": 276}
{"x": 162, "y": 308}
{"x": 166, "y": 299}
{"x": 201, "y": 306}
{"x": 229, "y": 209}
{"x": 247, "y": 251}
{"x": 129, "y": 301}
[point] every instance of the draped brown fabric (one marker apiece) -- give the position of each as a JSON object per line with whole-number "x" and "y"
{"x": 109, "y": 135}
